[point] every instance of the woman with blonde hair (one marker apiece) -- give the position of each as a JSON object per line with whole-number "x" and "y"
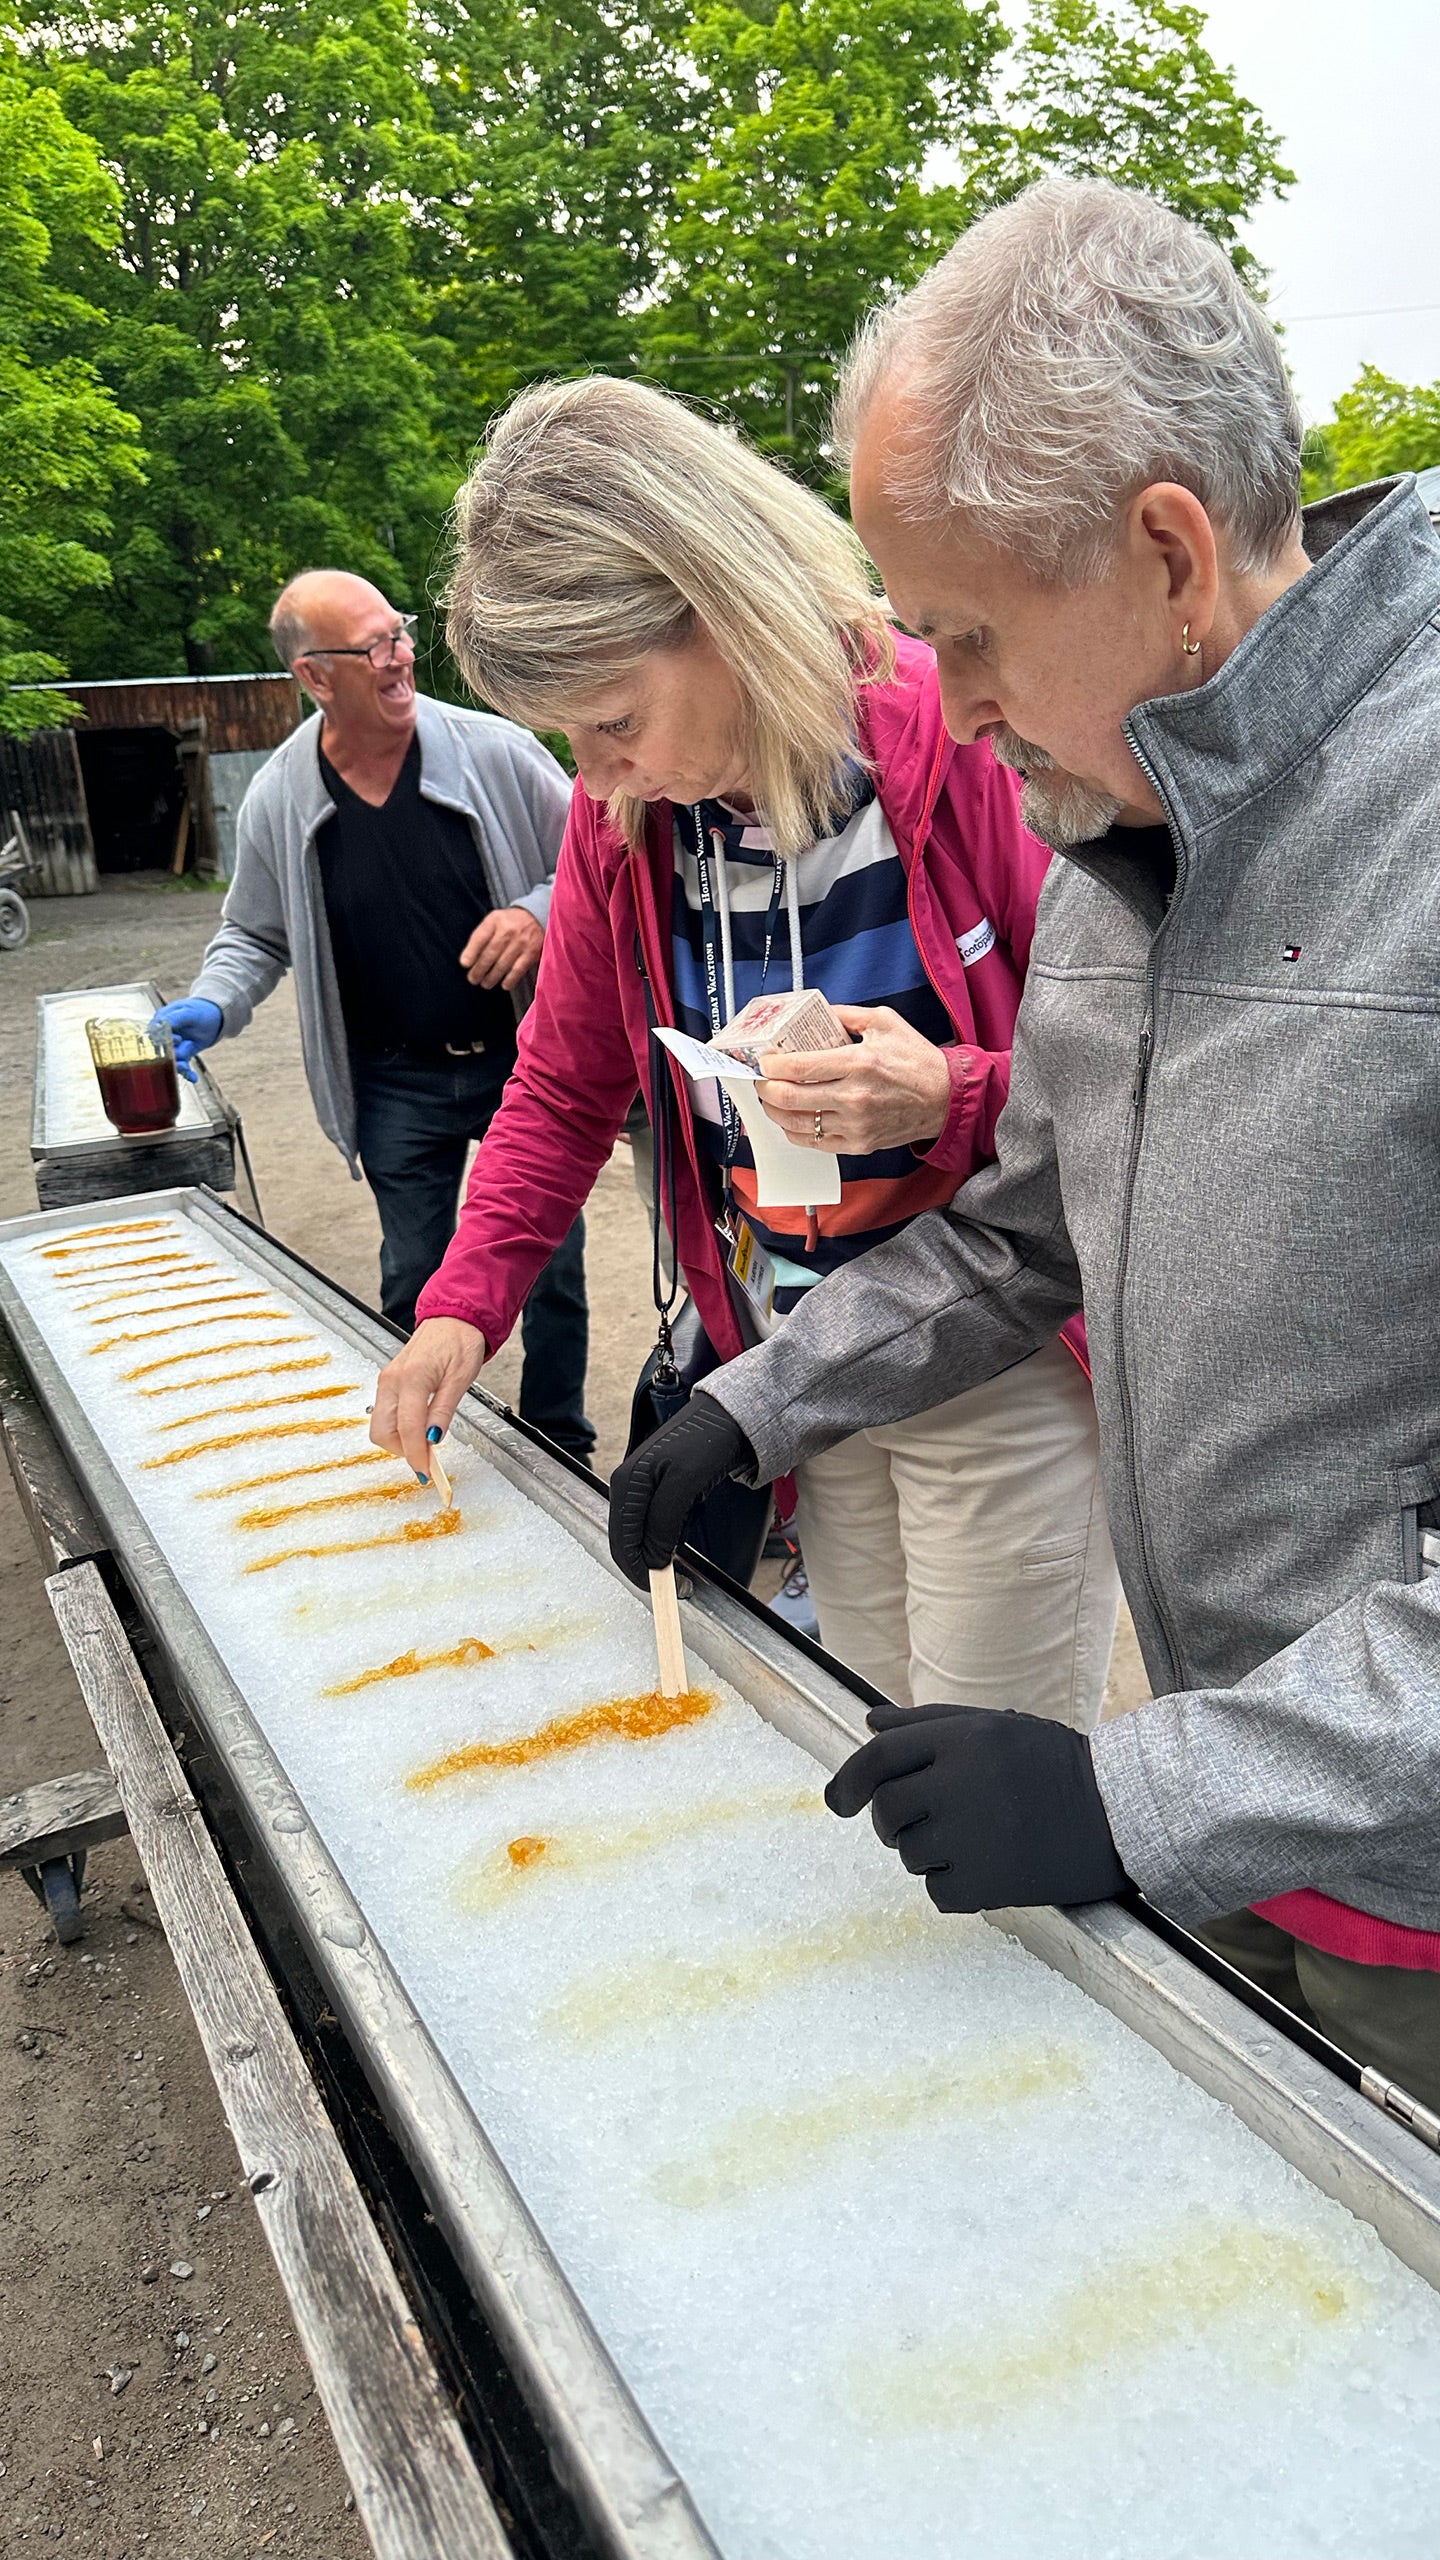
{"x": 767, "y": 799}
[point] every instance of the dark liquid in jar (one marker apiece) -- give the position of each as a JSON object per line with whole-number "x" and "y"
{"x": 140, "y": 1095}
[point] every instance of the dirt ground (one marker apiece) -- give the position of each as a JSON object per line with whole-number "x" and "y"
{"x": 153, "y": 2402}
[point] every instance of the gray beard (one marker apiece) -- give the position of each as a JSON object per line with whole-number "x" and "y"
{"x": 1054, "y": 806}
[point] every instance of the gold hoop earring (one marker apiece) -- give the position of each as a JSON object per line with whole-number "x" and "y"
{"x": 1190, "y": 647}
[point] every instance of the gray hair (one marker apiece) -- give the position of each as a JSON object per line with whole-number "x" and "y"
{"x": 1072, "y": 348}
{"x": 604, "y": 520}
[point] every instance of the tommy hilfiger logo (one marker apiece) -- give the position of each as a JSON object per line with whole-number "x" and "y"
{"x": 1291, "y": 951}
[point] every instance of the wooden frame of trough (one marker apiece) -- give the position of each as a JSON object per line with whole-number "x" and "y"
{"x": 70, "y": 1173}
{"x": 633, "y": 2501}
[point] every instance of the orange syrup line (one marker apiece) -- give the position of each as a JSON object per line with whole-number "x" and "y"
{"x": 200, "y": 1294}
{"x": 444, "y": 1525}
{"x": 125, "y": 1227}
{"x": 162, "y": 1295}
{"x": 287, "y": 1475}
{"x": 256, "y": 1404}
{"x": 196, "y": 1324}
{"x": 642, "y": 1719}
{"x": 456, "y": 1657}
{"x": 273, "y": 1518}
{"x": 268, "y": 1431}
{"x": 227, "y": 1377}
{"x": 548, "y": 1635}
{"x": 186, "y": 1271}
{"x": 158, "y": 1231}
{"x": 483, "y": 1883}
{"x": 186, "y": 1275}
{"x": 176, "y": 1359}
{"x": 132, "y": 1262}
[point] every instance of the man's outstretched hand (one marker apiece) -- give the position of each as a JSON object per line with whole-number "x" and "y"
{"x": 991, "y": 1809}
{"x": 653, "y": 1493}
{"x": 195, "y": 1023}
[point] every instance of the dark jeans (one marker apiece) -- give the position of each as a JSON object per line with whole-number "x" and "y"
{"x": 415, "y": 1123}
{"x": 1378, "y": 2013}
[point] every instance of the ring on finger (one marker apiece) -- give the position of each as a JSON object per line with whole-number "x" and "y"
{"x": 819, "y": 1128}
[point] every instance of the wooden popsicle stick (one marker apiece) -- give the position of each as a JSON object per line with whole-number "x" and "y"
{"x": 440, "y": 1481}
{"x": 669, "y": 1643}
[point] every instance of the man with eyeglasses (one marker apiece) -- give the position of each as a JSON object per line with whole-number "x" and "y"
{"x": 398, "y": 853}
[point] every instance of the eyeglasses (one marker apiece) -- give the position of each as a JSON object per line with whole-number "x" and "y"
{"x": 382, "y": 652}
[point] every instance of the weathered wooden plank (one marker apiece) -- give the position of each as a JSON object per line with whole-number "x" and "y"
{"x": 40, "y": 780}
{"x": 67, "y": 1177}
{"x": 59, "y": 1817}
{"x": 62, "y": 1524}
{"x": 416, "y": 2487}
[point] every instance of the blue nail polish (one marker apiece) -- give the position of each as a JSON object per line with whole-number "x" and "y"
{"x": 419, "y": 1478}
{"x": 434, "y": 1433}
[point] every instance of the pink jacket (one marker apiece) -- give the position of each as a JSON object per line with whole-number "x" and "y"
{"x": 972, "y": 867}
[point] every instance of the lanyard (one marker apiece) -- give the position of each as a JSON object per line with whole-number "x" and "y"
{"x": 714, "y": 952}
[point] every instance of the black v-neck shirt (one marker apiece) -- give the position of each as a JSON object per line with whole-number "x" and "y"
{"x": 404, "y": 889}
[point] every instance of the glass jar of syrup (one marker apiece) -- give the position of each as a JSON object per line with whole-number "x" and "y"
{"x": 135, "y": 1067}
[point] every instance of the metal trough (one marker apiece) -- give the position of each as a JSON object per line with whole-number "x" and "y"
{"x": 635, "y": 2504}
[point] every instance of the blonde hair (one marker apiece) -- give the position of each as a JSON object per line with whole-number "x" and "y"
{"x": 603, "y": 520}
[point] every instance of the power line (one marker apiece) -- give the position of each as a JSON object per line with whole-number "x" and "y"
{"x": 1386, "y": 311}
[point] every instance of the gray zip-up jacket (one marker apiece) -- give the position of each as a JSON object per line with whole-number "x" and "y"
{"x": 498, "y": 776}
{"x": 1223, "y": 1134}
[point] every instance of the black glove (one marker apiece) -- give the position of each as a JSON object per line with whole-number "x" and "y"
{"x": 653, "y": 1493}
{"x": 990, "y": 1808}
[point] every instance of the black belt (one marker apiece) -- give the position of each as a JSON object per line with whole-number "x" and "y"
{"x": 431, "y": 1053}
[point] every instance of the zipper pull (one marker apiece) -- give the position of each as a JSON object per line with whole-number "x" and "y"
{"x": 1142, "y": 1070}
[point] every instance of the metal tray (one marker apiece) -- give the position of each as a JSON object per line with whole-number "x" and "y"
{"x": 633, "y": 2499}
{"x": 105, "y": 1166}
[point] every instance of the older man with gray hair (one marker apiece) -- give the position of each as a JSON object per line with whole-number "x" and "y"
{"x": 398, "y": 854}
{"x": 1075, "y": 458}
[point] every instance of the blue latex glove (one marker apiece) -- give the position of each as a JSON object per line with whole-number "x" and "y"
{"x": 194, "y": 1023}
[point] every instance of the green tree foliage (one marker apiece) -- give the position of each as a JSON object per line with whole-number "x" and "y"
{"x": 575, "y": 121}
{"x": 65, "y": 446}
{"x": 281, "y": 176}
{"x": 819, "y": 190}
{"x": 332, "y": 235}
{"x": 811, "y": 199}
{"x": 1379, "y": 427}
{"x": 1131, "y": 93}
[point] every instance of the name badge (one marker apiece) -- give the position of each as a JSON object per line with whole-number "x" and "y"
{"x": 754, "y": 1270}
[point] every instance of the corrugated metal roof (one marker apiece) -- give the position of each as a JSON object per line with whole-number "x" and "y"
{"x": 238, "y": 711}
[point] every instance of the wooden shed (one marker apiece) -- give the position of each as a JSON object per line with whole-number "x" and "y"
{"x": 148, "y": 779}
{"x": 41, "y": 786}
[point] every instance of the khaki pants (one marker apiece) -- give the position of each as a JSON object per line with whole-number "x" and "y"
{"x": 1381, "y": 2014}
{"x": 964, "y": 1555}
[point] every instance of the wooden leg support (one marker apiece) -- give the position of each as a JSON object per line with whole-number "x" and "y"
{"x": 416, "y": 2487}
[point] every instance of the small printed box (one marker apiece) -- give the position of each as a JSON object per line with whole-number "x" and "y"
{"x": 802, "y": 1020}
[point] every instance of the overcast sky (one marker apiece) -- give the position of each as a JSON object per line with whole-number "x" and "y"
{"x": 1355, "y": 93}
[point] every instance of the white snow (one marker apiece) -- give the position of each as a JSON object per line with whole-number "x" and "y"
{"x": 904, "y": 2245}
